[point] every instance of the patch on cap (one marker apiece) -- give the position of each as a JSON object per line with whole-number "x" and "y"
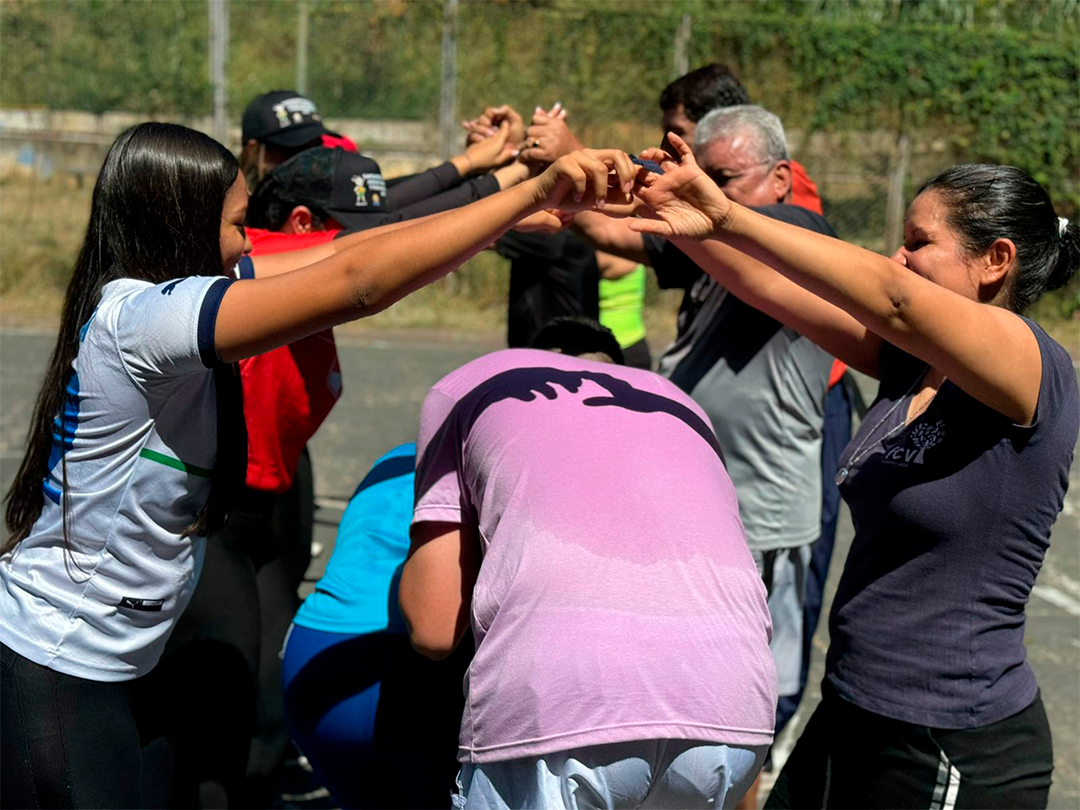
{"x": 370, "y": 189}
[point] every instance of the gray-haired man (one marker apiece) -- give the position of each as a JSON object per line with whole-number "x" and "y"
{"x": 762, "y": 385}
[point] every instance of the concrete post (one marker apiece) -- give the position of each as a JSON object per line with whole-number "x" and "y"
{"x": 219, "y": 49}
{"x": 448, "y": 129}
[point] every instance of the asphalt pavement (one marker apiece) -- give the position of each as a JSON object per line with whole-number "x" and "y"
{"x": 386, "y": 377}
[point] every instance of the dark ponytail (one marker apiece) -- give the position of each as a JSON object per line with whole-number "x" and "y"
{"x": 987, "y": 202}
{"x": 155, "y": 215}
{"x": 1068, "y": 257}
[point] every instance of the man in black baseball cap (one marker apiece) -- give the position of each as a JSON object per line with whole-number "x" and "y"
{"x": 278, "y": 125}
{"x": 340, "y": 189}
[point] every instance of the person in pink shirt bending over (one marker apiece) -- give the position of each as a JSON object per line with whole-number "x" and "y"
{"x": 578, "y": 515}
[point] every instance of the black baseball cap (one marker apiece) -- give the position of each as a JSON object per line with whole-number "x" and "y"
{"x": 282, "y": 118}
{"x": 346, "y": 185}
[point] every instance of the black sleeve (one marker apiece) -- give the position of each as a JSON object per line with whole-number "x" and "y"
{"x": 464, "y": 194}
{"x": 404, "y": 191}
{"x": 467, "y": 192}
{"x": 674, "y": 269}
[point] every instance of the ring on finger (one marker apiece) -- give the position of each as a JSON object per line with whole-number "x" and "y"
{"x": 535, "y": 143}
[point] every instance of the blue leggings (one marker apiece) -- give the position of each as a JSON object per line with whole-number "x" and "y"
{"x": 377, "y": 721}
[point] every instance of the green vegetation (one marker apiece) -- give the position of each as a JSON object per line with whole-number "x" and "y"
{"x": 984, "y": 80}
{"x": 998, "y": 80}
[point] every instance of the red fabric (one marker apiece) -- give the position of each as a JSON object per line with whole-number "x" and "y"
{"x": 836, "y": 372}
{"x": 339, "y": 142}
{"x": 803, "y": 191}
{"x": 288, "y": 391}
{"x": 263, "y": 243}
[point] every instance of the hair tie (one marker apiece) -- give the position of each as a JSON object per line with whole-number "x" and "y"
{"x": 1062, "y": 225}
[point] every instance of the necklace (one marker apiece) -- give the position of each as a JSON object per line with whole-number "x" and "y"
{"x": 843, "y": 472}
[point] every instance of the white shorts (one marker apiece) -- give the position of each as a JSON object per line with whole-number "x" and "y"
{"x": 645, "y": 773}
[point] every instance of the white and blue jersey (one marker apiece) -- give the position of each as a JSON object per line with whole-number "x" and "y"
{"x": 137, "y": 434}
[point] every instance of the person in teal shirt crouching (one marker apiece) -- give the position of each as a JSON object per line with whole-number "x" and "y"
{"x": 377, "y": 721}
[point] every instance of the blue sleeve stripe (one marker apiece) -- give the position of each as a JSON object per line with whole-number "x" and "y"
{"x": 247, "y": 267}
{"x": 208, "y": 321}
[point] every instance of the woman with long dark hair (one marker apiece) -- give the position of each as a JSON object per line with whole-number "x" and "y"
{"x": 131, "y": 446}
{"x": 954, "y": 478}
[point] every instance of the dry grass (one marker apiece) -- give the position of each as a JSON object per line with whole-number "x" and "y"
{"x": 42, "y": 223}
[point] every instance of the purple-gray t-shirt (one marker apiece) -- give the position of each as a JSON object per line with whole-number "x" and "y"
{"x": 952, "y": 519}
{"x": 617, "y": 599}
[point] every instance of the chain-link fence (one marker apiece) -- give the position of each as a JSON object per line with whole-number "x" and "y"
{"x": 877, "y": 95}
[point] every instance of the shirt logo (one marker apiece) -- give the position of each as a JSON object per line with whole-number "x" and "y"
{"x": 132, "y": 603}
{"x": 168, "y": 288}
{"x": 922, "y": 438}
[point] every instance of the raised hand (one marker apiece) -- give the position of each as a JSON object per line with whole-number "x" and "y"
{"x": 487, "y": 124}
{"x": 478, "y": 129}
{"x": 682, "y": 201}
{"x": 586, "y": 179}
{"x": 548, "y": 138}
{"x": 512, "y": 117}
{"x": 490, "y": 153}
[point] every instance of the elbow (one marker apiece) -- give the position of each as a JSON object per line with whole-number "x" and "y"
{"x": 435, "y": 652}
{"x": 366, "y": 297}
{"x": 429, "y": 642}
{"x": 897, "y": 308}
{"x": 428, "y": 635}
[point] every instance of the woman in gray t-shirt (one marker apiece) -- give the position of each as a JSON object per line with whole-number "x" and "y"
{"x": 954, "y": 478}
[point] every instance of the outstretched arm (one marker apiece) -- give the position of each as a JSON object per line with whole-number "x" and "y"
{"x": 951, "y": 332}
{"x": 611, "y": 235}
{"x": 274, "y": 264}
{"x": 260, "y": 314}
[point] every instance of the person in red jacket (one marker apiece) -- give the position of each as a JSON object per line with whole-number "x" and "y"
{"x": 313, "y": 204}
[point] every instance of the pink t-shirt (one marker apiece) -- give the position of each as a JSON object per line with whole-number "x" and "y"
{"x": 617, "y": 599}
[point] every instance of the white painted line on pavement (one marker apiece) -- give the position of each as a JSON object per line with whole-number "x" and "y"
{"x": 331, "y": 503}
{"x": 1056, "y": 597}
{"x": 1068, "y": 583}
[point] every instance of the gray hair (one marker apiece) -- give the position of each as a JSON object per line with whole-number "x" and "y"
{"x": 765, "y": 129}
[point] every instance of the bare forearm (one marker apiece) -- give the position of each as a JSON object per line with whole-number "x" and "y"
{"x": 873, "y": 289}
{"x": 511, "y": 174}
{"x": 363, "y": 279}
{"x": 395, "y": 264}
{"x": 948, "y": 330}
{"x": 274, "y": 264}
{"x": 611, "y": 236}
{"x": 763, "y": 288}
{"x": 358, "y": 237}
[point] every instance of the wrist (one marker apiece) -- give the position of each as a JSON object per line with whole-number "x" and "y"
{"x": 724, "y": 220}
{"x": 532, "y": 194}
{"x": 463, "y": 163}
{"x": 511, "y": 174}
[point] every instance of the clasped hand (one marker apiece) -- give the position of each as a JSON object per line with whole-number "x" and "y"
{"x": 681, "y": 202}
{"x": 583, "y": 180}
